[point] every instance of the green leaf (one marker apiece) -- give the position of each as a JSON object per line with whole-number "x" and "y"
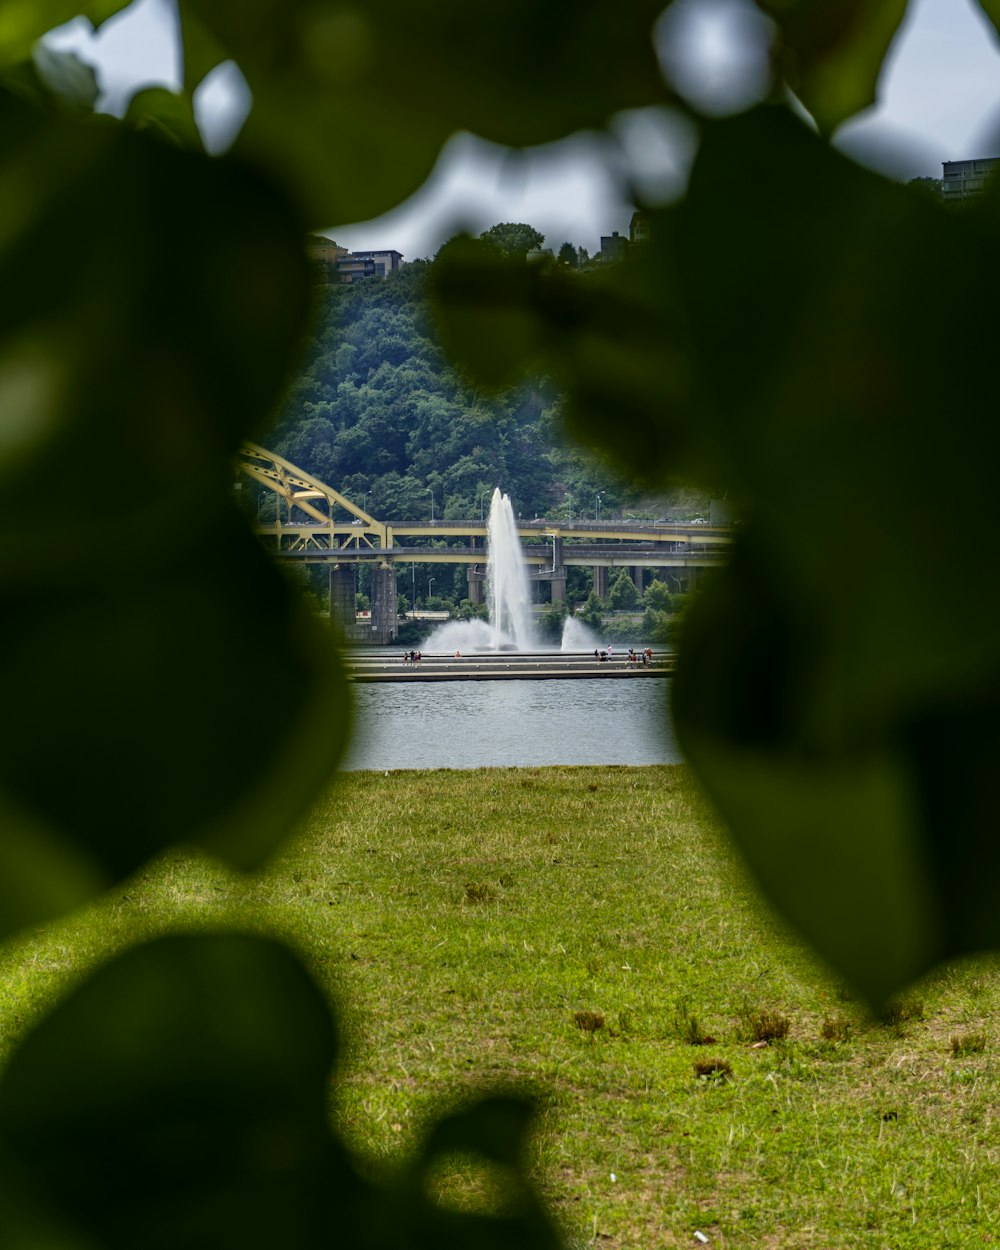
{"x": 22, "y": 22}
{"x": 823, "y": 677}
{"x": 163, "y": 681}
{"x": 615, "y": 340}
{"x": 379, "y": 88}
{"x": 830, "y": 52}
{"x": 72, "y": 82}
{"x": 992, "y": 10}
{"x": 168, "y": 114}
{"x": 202, "y": 51}
{"x": 492, "y": 1131}
{"x": 182, "y": 1091}
{"x": 832, "y": 835}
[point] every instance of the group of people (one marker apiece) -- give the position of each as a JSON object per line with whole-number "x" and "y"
{"x": 632, "y": 660}
{"x": 412, "y": 657}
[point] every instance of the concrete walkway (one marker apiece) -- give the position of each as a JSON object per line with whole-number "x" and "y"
{"x": 504, "y": 666}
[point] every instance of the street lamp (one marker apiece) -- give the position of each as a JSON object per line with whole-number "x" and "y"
{"x": 598, "y": 507}
{"x": 413, "y": 592}
{"x": 430, "y": 583}
{"x": 430, "y": 492}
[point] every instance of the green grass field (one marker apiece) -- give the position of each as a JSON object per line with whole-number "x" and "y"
{"x": 582, "y": 933}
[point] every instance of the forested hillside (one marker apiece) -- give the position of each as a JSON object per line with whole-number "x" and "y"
{"x": 379, "y": 414}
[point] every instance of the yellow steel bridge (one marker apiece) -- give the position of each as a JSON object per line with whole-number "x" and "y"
{"x": 317, "y": 524}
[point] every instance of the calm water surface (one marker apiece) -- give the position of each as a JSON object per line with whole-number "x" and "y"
{"x": 480, "y": 724}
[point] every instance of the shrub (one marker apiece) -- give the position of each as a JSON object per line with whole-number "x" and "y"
{"x": 835, "y": 1029}
{"x": 763, "y": 1025}
{"x": 968, "y": 1044}
{"x": 688, "y": 1027}
{"x": 713, "y": 1069}
{"x": 589, "y": 1021}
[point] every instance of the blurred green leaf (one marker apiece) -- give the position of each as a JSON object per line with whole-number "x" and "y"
{"x": 202, "y": 51}
{"x": 182, "y": 1092}
{"x": 168, "y": 113}
{"x": 163, "y": 682}
{"x": 830, "y": 52}
{"x": 352, "y": 104}
{"x": 992, "y": 10}
{"x": 814, "y": 669}
{"x": 66, "y": 78}
{"x": 22, "y": 22}
{"x": 493, "y": 1130}
{"x": 833, "y": 835}
{"x": 615, "y": 340}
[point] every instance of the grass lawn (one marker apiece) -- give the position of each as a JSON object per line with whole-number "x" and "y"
{"x": 581, "y": 932}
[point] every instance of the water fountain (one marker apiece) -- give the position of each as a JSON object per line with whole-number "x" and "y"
{"x": 508, "y": 594}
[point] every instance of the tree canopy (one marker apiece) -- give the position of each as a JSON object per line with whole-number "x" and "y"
{"x": 513, "y": 240}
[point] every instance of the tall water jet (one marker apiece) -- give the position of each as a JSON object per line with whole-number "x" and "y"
{"x": 508, "y": 595}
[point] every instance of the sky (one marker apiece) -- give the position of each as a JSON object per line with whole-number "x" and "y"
{"x": 939, "y": 100}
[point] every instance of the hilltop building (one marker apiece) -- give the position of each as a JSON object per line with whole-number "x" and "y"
{"x": 333, "y": 265}
{"x": 963, "y": 180}
{"x": 613, "y": 246}
{"x": 638, "y": 227}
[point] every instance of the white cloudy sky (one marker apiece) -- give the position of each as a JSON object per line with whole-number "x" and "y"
{"x": 939, "y": 100}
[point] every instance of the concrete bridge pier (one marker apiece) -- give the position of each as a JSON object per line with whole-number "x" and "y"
{"x": 385, "y": 610}
{"x": 476, "y": 577}
{"x": 601, "y": 580}
{"x": 342, "y": 609}
{"x": 637, "y": 575}
{"x": 558, "y": 578}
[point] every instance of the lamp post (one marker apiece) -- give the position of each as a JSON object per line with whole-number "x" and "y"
{"x": 598, "y": 500}
{"x": 430, "y": 583}
{"x": 413, "y": 592}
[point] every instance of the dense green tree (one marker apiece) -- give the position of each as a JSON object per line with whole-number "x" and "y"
{"x": 513, "y": 240}
{"x": 657, "y": 596}
{"x": 622, "y": 595}
{"x": 657, "y": 626}
{"x": 550, "y": 621}
{"x": 568, "y": 255}
{"x": 377, "y": 412}
{"x": 590, "y": 613}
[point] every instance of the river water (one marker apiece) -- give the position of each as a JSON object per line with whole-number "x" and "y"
{"x": 481, "y": 724}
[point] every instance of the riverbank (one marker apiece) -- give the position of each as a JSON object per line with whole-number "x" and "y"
{"x": 576, "y": 931}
